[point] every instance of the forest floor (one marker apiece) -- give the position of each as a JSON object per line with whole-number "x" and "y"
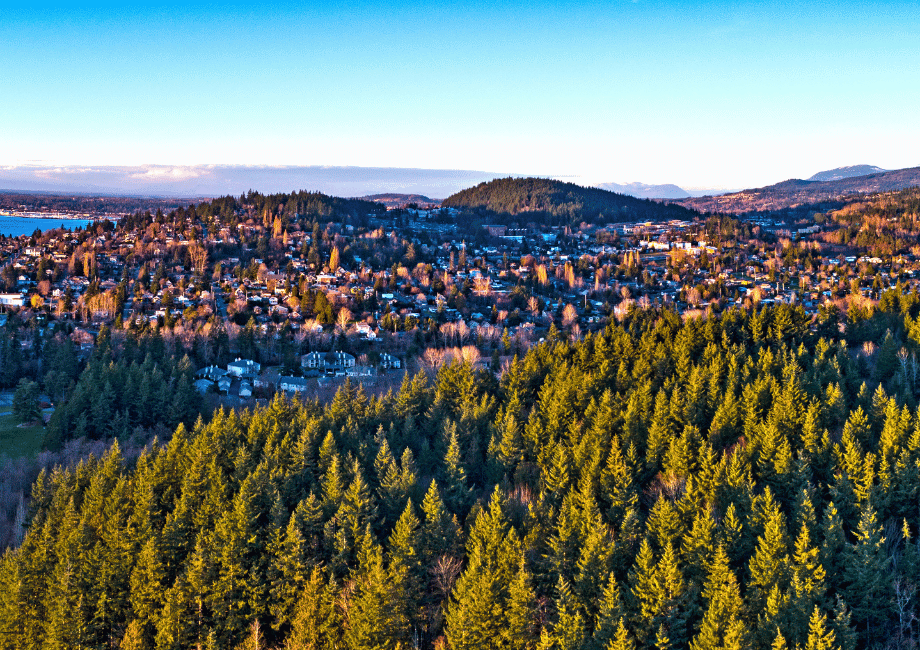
{"x": 18, "y": 441}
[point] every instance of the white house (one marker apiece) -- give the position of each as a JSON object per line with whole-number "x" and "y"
{"x": 292, "y": 384}
{"x": 243, "y": 368}
{"x": 12, "y": 300}
{"x": 329, "y": 362}
{"x": 388, "y": 361}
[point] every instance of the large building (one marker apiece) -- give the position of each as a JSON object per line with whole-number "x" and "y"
{"x": 243, "y": 368}
{"x": 331, "y": 363}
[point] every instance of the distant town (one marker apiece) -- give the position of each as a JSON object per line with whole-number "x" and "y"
{"x": 306, "y": 302}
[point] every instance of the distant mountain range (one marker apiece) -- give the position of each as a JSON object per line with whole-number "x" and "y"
{"x": 646, "y": 191}
{"x": 847, "y": 172}
{"x": 661, "y": 191}
{"x": 796, "y": 193}
{"x": 555, "y": 202}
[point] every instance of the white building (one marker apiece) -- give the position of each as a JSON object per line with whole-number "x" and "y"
{"x": 243, "y": 368}
{"x": 388, "y": 361}
{"x": 292, "y": 384}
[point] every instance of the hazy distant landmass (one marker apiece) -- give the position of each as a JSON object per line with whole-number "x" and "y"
{"x": 796, "y": 193}
{"x": 847, "y": 172}
{"x": 399, "y": 200}
{"x": 646, "y": 191}
{"x": 86, "y": 204}
{"x": 556, "y": 202}
{"x": 220, "y": 180}
{"x": 660, "y": 191}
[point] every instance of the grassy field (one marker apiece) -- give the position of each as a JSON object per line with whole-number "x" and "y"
{"x": 19, "y": 441}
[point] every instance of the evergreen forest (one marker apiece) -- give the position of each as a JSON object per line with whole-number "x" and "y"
{"x": 747, "y": 480}
{"x": 552, "y": 202}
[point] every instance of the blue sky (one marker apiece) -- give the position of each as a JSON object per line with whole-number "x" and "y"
{"x": 700, "y": 94}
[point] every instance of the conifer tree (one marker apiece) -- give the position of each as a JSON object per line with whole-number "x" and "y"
{"x": 820, "y": 636}
{"x": 722, "y": 624}
{"x": 521, "y": 632}
{"x": 769, "y": 566}
{"x": 865, "y": 588}
{"x": 568, "y": 632}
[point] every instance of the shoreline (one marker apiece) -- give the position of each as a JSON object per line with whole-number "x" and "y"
{"x": 55, "y": 216}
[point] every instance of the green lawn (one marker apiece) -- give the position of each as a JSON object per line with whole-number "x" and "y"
{"x": 15, "y": 441}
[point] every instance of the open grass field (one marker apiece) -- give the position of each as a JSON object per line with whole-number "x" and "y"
{"x": 16, "y": 441}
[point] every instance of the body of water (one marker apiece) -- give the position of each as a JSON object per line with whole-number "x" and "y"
{"x": 16, "y": 226}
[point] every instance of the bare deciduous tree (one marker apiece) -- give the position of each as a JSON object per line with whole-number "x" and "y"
{"x": 342, "y": 320}
{"x": 199, "y": 257}
{"x": 445, "y": 572}
{"x": 569, "y": 315}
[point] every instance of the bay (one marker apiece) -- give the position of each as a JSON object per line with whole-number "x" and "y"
{"x": 15, "y": 226}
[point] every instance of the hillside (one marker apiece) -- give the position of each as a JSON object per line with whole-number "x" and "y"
{"x": 846, "y": 172}
{"x": 795, "y": 193}
{"x": 558, "y": 203}
{"x": 599, "y": 490}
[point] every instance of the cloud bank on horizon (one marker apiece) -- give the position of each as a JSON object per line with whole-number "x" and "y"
{"x": 219, "y": 180}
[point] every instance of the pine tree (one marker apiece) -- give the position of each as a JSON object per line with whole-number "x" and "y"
{"x": 722, "y": 624}
{"x": 456, "y": 492}
{"x": 622, "y": 640}
{"x": 440, "y": 533}
{"x": 521, "y": 631}
{"x": 316, "y": 624}
{"x": 476, "y": 615}
{"x": 808, "y": 588}
{"x": 769, "y": 566}
{"x": 819, "y": 636}
{"x": 377, "y": 615}
{"x": 568, "y": 632}
{"x": 865, "y": 586}
{"x": 405, "y": 561}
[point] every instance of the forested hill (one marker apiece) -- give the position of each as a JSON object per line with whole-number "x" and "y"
{"x": 743, "y": 481}
{"x": 558, "y": 203}
{"x": 793, "y": 193}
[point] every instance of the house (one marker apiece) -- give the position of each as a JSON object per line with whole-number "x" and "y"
{"x": 203, "y": 385}
{"x": 329, "y": 362}
{"x": 211, "y": 373}
{"x": 245, "y": 389}
{"x": 292, "y": 384}
{"x": 366, "y": 331}
{"x": 388, "y": 361}
{"x": 246, "y": 368}
{"x": 12, "y": 300}
{"x": 360, "y": 371}
{"x": 223, "y": 384}
{"x": 268, "y": 378}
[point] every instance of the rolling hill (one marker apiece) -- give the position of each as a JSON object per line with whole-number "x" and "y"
{"x": 846, "y": 172}
{"x": 552, "y": 202}
{"x": 796, "y": 193}
{"x": 398, "y": 200}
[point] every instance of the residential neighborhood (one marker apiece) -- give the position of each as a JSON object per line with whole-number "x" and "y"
{"x": 292, "y": 302}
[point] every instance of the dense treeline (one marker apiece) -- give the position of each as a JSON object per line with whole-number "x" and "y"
{"x": 885, "y": 224}
{"x": 558, "y": 203}
{"x": 288, "y": 207}
{"x": 745, "y": 481}
{"x": 123, "y": 389}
